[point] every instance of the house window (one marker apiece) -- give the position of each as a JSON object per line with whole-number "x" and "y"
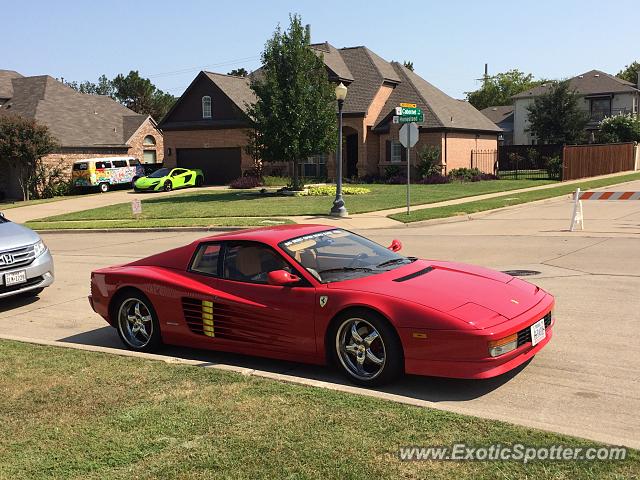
{"x": 600, "y": 108}
{"x": 396, "y": 151}
{"x": 206, "y": 107}
{"x": 315, "y": 166}
{"x": 149, "y": 156}
{"x": 149, "y": 140}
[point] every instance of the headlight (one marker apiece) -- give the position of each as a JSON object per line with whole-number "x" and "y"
{"x": 504, "y": 345}
{"x": 39, "y": 248}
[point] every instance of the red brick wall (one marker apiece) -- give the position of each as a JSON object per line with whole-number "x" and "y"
{"x": 460, "y": 145}
{"x": 136, "y": 142}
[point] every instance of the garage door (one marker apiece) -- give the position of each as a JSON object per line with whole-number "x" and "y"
{"x": 220, "y": 165}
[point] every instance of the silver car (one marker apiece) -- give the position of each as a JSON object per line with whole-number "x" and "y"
{"x": 26, "y": 266}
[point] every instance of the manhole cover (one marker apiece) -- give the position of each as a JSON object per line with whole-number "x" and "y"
{"x": 521, "y": 273}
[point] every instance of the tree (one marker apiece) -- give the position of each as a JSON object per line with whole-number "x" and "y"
{"x": 630, "y": 73}
{"x": 619, "y": 128}
{"x": 104, "y": 86}
{"x": 556, "y": 117}
{"x": 408, "y": 65}
{"x": 500, "y": 88}
{"x": 23, "y": 143}
{"x": 239, "y": 72}
{"x": 141, "y": 96}
{"x": 294, "y": 115}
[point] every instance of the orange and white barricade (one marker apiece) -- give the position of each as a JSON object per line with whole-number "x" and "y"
{"x": 578, "y": 197}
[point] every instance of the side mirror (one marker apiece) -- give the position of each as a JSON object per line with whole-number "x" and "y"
{"x": 282, "y": 278}
{"x": 396, "y": 245}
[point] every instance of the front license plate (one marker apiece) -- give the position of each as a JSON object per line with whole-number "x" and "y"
{"x": 538, "y": 332}
{"x": 15, "y": 278}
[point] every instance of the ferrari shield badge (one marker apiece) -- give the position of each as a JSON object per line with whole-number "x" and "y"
{"x": 323, "y": 300}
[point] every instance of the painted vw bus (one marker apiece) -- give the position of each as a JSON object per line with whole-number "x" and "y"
{"x": 104, "y": 173}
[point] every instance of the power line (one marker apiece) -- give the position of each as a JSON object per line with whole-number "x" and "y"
{"x": 193, "y": 69}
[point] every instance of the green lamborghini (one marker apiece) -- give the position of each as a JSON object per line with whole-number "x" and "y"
{"x": 169, "y": 179}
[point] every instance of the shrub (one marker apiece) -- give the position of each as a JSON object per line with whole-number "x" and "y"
{"x": 436, "y": 179}
{"x": 326, "y": 190}
{"x": 49, "y": 181}
{"x": 554, "y": 167}
{"x": 275, "y": 181}
{"x": 464, "y": 174}
{"x": 398, "y": 179}
{"x": 619, "y": 128}
{"x": 391, "y": 171}
{"x": 429, "y": 161}
{"x": 246, "y": 182}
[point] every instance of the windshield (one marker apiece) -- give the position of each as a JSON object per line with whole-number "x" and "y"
{"x": 335, "y": 255}
{"x": 163, "y": 172}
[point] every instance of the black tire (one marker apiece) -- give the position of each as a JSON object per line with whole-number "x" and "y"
{"x": 122, "y": 307}
{"x": 168, "y": 186}
{"x": 199, "y": 181}
{"x": 103, "y": 187}
{"x": 386, "y": 346}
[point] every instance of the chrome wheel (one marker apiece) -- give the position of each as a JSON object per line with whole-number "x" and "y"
{"x": 135, "y": 323}
{"x": 360, "y": 349}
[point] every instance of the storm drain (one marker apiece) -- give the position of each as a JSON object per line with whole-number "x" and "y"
{"x": 521, "y": 273}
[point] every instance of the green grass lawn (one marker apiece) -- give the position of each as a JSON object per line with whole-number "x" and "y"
{"x": 229, "y": 203}
{"x": 507, "y": 200}
{"x": 83, "y": 415}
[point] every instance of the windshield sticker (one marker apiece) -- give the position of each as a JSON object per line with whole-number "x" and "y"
{"x": 306, "y": 241}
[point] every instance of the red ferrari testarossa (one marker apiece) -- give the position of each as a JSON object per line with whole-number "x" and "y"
{"x": 316, "y": 294}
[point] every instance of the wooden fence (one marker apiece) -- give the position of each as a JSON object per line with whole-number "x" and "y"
{"x": 580, "y": 161}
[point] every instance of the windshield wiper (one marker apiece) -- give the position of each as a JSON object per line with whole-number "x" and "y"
{"x": 396, "y": 260}
{"x": 346, "y": 269}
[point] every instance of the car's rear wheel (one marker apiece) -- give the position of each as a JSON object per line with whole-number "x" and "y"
{"x": 367, "y": 348}
{"x": 137, "y": 322}
{"x": 104, "y": 187}
{"x": 168, "y": 186}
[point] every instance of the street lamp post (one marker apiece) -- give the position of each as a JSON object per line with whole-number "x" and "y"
{"x": 338, "y": 209}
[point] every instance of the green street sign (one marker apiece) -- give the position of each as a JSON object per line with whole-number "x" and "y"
{"x": 403, "y": 111}
{"x": 408, "y": 118}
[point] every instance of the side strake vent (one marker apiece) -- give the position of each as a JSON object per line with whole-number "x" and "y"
{"x": 199, "y": 316}
{"x": 424, "y": 271}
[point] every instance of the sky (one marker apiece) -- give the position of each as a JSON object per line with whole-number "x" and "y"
{"x": 448, "y": 41}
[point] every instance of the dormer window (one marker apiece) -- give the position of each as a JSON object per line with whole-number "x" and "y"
{"x": 206, "y": 107}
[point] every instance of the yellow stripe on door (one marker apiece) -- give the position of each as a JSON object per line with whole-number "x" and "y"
{"x": 207, "y": 318}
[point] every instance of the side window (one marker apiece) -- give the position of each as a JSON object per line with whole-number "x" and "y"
{"x": 134, "y": 162}
{"x": 206, "y": 259}
{"x": 103, "y": 165}
{"x": 250, "y": 262}
{"x": 119, "y": 163}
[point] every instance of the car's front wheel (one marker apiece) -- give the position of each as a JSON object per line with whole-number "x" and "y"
{"x": 137, "y": 322}
{"x": 168, "y": 186}
{"x": 104, "y": 187}
{"x": 367, "y": 348}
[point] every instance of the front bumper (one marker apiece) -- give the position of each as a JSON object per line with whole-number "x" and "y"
{"x": 40, "y": 274}
{"x": 148, "y": 188}
{"x": 458, "y": 354}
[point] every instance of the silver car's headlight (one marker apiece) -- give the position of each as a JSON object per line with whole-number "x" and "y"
{"x": 39, "y": 248}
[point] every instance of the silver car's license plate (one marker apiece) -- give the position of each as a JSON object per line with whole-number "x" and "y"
{"x": 15, "y": 278}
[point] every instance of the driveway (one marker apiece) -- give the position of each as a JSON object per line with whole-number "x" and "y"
{"x": 86, "y": 202}
{"x": 585, "y": 383}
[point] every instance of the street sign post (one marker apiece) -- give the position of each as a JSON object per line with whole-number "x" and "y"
{"x": 409, "y": 135}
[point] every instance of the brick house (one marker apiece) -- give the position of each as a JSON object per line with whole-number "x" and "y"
{"x": 85, "y": 126}
{"x": 207, "y": 127}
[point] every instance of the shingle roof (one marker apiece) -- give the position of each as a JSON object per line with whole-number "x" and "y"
{"x": 334, "y": 61}
{"x": 440, "y": 110}
{"x": 499, "y": 113}
{"x": 367, "y": 80}
{"x": 236, "y": 88}
{"x": 6, "y": 87}
{"x": 588, "y": 83}
{"x": 74, "y": 119}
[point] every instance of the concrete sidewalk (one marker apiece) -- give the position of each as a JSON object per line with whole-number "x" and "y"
{"x": 379, "y": 218}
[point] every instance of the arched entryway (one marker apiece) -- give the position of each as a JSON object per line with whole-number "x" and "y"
{"x": 350, "y": 152}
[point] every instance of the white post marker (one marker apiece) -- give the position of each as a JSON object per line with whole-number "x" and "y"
{"x": 409, "y": 135}
{"x": 577, "y": 216}
{"x": 136, "y": 207}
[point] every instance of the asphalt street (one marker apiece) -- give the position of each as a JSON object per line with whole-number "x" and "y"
{"x": 586, "y": 382}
